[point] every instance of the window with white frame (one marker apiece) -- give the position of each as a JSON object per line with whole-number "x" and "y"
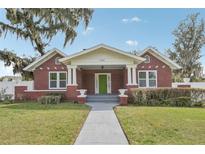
{"x": 142, "y": 79}
{"x": 57, "y": 80}
{"x": 147, "y": 79}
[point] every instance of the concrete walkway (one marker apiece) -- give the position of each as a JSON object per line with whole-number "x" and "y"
{"x": 101, "y": 126}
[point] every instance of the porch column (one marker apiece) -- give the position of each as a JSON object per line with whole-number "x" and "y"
{"x": 71, "y": 93}
{"x": 131, "y": 77}
{"x": 69, "y": 75}
{"x": 72, "y": 75}
{"x": 128, "y": 75}
{"x": 134, "y": 75}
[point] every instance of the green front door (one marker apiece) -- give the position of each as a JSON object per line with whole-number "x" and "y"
{"x": 102, "y": 84}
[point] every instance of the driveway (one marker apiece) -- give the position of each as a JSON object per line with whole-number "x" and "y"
{"x": 101, "y": 126}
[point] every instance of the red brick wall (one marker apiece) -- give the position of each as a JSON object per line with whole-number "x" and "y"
{"x": 88, "y": 79}
{"x": 71, "y": 93}
{"x": 164, "y": 75}
{"x": 21, "y": 94}
{"x": 123, "y": 100}
{"x": 124, "y": 78}
{"x": 41, "y": 76}
{"x": 34, "y": 95}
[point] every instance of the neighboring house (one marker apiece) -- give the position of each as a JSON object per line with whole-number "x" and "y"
{"x": 100, "y": 70}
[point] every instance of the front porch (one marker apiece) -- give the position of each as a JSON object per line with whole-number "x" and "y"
{"x": 101, "y": 70}
{"x": 99, "y": 80}
{"x": 102, "y": 79}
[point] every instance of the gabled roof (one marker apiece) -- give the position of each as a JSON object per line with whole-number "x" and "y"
{"x": 105, "y": 47}
{"x": 43, "y": 58}
{"x": 161, "y": 57}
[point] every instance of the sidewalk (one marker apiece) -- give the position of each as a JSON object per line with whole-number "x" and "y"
{"x": 101, "y": 126}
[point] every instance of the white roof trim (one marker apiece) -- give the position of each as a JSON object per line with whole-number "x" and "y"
{"x": 101, "y": 46}
{"x": 161, "y": 57}
{"x": 45, "y": 90}
{"x": 42, "y": 59}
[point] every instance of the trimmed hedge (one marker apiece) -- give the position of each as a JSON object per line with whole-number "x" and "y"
{"x": 183, "y": 97}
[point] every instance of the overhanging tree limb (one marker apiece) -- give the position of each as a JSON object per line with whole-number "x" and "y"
{"x": 18, "y": 63}
{"x": 40, "y": 26}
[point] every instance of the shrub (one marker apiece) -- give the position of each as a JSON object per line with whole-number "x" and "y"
{"x": 184, "y": 97}
{"x": 182, "y": 101}
{"x": 8, "y": 98}
{"x": 49, "y": 99}
{"x": 56, "y": 94}
{"x": 167, "y": 102}
{"x": 5, "y": 98}
{"x": 198, "y": 104}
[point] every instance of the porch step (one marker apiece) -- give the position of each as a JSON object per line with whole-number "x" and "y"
{"x": 103, "y": 98}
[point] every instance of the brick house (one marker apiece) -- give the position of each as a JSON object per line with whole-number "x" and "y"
{"x": 99, "y": 70}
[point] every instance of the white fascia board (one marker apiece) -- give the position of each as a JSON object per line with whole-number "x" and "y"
{"x": 101, "y": 46}
{"x": 162, "y": 58}
{"x": 41, "y": 59}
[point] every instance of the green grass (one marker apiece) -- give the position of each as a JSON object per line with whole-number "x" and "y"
{"x": 162, "y": 125}
{"x": 33, "y": 123}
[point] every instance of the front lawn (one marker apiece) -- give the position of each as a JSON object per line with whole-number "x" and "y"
{"x": 34, "y": 123}
{"x": 162, "y": 125}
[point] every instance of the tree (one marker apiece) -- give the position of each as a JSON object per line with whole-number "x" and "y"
{"x": 189, "y": 39}
{"x": 18, "y": 63}
{"x": 39, "y": 26}
{"x": 134, "y": 52}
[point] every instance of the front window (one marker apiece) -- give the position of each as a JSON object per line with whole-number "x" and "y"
{"x": 62, "y": 82}
{"x": 57, "y": 80}
{"x": 53, "y": 80}
{"x": 142, "y": 79}
{"x": 152, "y": 79}
{"x": 148, "y": 79}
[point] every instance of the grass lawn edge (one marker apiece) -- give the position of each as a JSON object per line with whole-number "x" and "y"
{"x": 131, "y": 141}
{"x": 114, "y": 109}
{"x": 90, "y": 108}
{"x": 84, "y": 107}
